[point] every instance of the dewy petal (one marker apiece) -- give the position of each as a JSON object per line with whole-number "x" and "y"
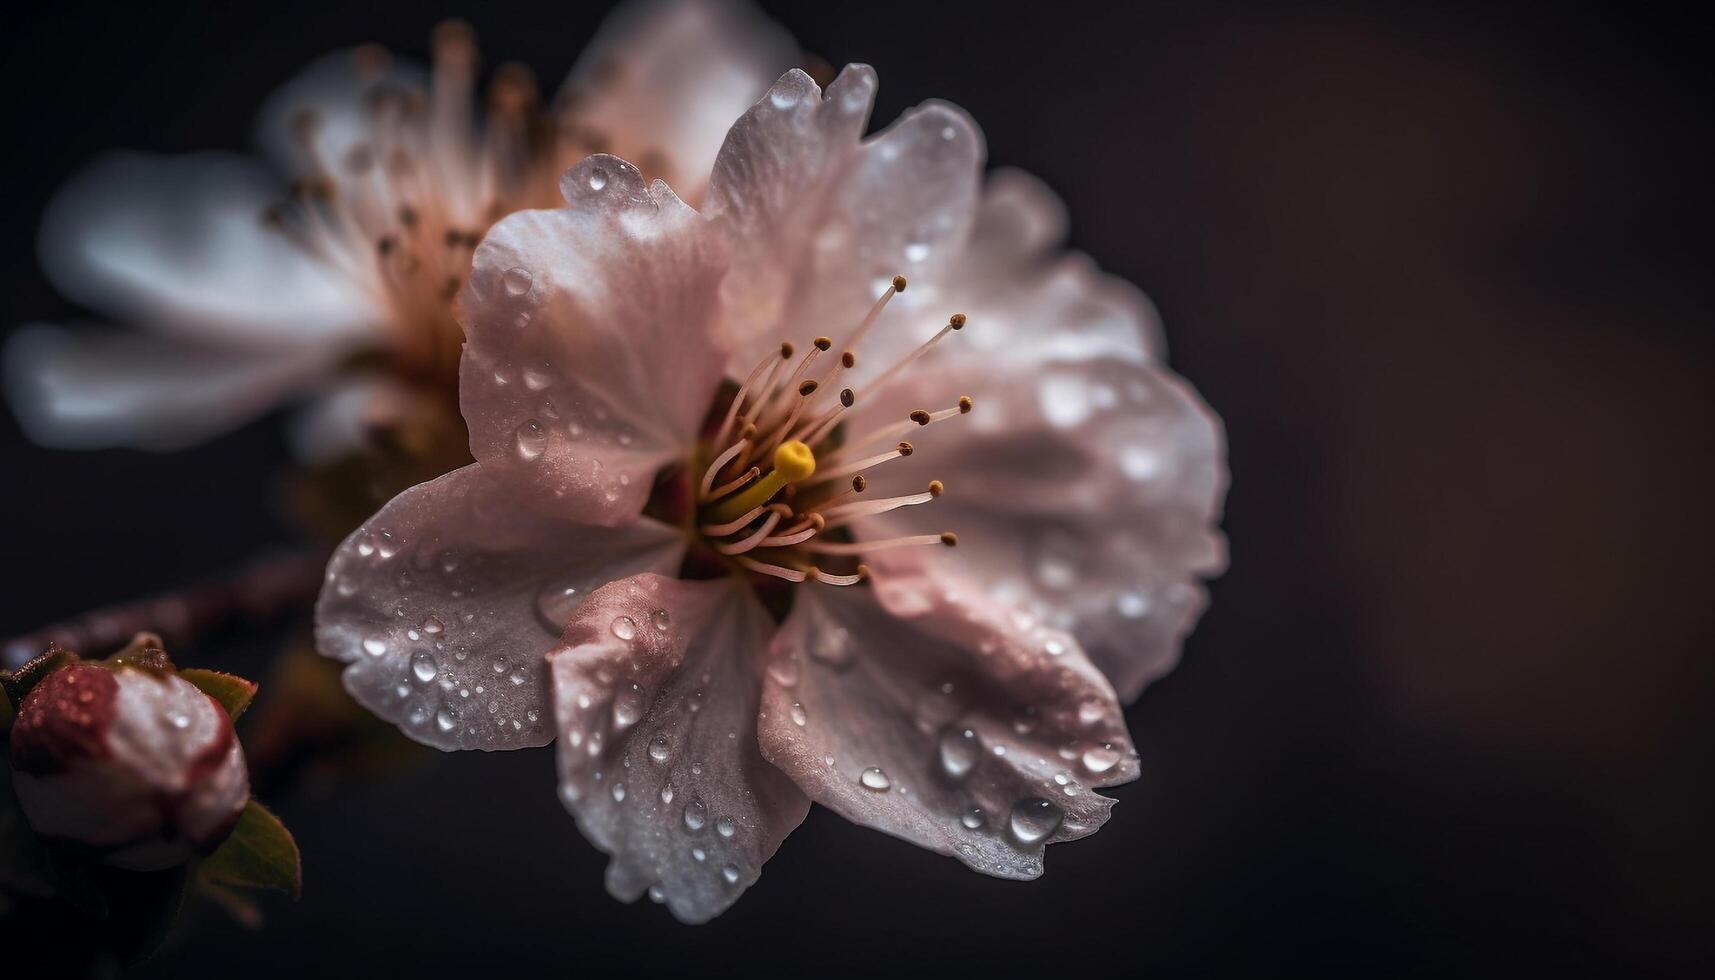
{"x": 180, "y": 244}
{"x": 444, "y": 604}
{"x": 590, "y": 355}
{"x": 662, "y": 81}
{"x": 99, "y": 389}
{"x": 1087, "y": 491}
{"x": 821, "y": 220}
{"x": 925, "y": 711}
{"x": 655, "y": 695}
{"x": 1088, "y": 480}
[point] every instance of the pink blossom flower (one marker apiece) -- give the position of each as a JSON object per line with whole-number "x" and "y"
{"x": 675, "y": 552}
{"x": 135, "y": 762}
{"x": 241, "y": 303}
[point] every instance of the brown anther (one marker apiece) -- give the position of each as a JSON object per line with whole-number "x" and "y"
{"x": 823, "y": 343}
{"x": 847, "y": 359}
{"x": 957, "y": 321}
{"x": 905, "y": 449}
{"x": 371, "y": 61}
{"x": 818, "y": 521}
{"x": 808, "y": 388}
{"x": 786, "y": 349}
{"x": 748, "y": 432}
{"x": 847, "y": 397}
{"x": 937, "y": 488}
{"x": 863, "y": 572}
{"x": 450, "y": 288}
{"x": 899, "y": 284}
{"x": 454, "y": 237}
{"x": 859, "y": 483}
{"x": 386, "y": 244}
{"x": 949, "y": 539}
{"x": 965, "y": 404}
{"x": 408, "y": 216}
{"x": 920, "y": 417}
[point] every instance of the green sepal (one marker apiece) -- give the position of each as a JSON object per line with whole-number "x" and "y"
{"x": 233, "y": 692}
{"x": 259, "y": 853}
{"x": 18, "y": 682}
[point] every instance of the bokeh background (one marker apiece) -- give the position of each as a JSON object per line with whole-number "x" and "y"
{"x": 1446, "y": 273}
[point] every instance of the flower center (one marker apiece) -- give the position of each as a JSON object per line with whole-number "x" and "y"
{"x": 783, "y": 485}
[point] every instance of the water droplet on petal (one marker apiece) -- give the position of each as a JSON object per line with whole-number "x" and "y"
{"x": 431, "y": 626}
{"x": 960, "y": 748}
{"x": 619, "y": 792}
{"x": 516, "y": 280}
{"x": 530, "y": 440}
{"x": 799, "y": 718}
{"x": 628, "y": 707}
{"x": 657, "y": 894}
{"x": 446, "y": 719}
{"x": 660, "y": 748}
{"x": 423, "y": 666}
{"x": 730, "y": 873}
{"x": 696, "y": 814}
{"x": 874, "y": 778}
{"x": 1034, "y": 819}
{"x": 598, "y": 178}
{"x": 725, "y": 827}
{"x": 973, "y": 818}
{"x": 660, "y": 619}
{"x": 1100, "y": 758}
{"x": 374, "y": 646}
{"x": 623, "y": 627}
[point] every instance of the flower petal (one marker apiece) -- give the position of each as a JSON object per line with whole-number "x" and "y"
{"x": 95, "y": 390}
{"x": 922, "y": 710}
{"x": 590, "y": 358}
{"x": 1087, "y": 491}
{"x": 663, "y": 81}
{"x": 180, "y": 243}
{"x": 445, "y": 602}
{"x": 655, "y": 693}
{"x": 822, "y": 220}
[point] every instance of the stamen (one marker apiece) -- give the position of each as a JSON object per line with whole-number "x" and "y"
{"x": 897, "y": 286}
{"x": 903, "y": 449}
{"x": 841, "y": 516}
{"x": 789, "y": 574}
{"x": 715, "y": 468}
{"x": 812, "y": 432}
{"x": 827, "y": 579}
{"x": 894, "y": 430}
{"x": 956, "y": 322}
{"x": 768, "y": 361}
{"x": 947, "y": 538}
{"x": 734, "y": 483}
{"x": 748, "y": 543}
{"x": 721, "y": 530}
{"x": 797, "y": 533}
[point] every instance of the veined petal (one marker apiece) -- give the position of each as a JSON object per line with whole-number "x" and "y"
{"x": 590, "y": 355}
{"x": 97, "y": 390}
{"x": 445, "y": 603}
{"x": 180, "y": 244}
{"x": 925, "y": 711}
{"x": 663, "y": 81}
{"x": 655, "y": 694}
{"x": 822, "y": 220}
{"x": 1086, "y": 490}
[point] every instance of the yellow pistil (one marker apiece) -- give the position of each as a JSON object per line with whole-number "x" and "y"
{"x": 793, "y": 461}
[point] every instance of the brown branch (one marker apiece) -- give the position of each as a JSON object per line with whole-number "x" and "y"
{"x": 265, "y": 588}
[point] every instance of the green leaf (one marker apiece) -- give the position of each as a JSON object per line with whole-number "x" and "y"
{"x": 260, "y": 853}
{"x": 233, "y": 692}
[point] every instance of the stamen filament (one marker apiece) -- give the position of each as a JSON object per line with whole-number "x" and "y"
{"x": 957, "y": 322}
{"x": 741, "y": 546}
{"x": 789, "y": 574}
{"x": 903, "y": 449}
{"x": 828, "y": 579}
{"x": 863, "y": 547}
{"x": 720, "y": 530}
{"x": 715, "y": 468}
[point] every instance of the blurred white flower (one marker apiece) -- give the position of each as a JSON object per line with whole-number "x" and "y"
{"x": 236, "y": 302}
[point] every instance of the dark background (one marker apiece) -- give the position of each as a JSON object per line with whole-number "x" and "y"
{"x": 1445, "y": 273}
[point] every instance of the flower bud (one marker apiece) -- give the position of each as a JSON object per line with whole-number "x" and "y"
{"x": 130, "y": 759}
